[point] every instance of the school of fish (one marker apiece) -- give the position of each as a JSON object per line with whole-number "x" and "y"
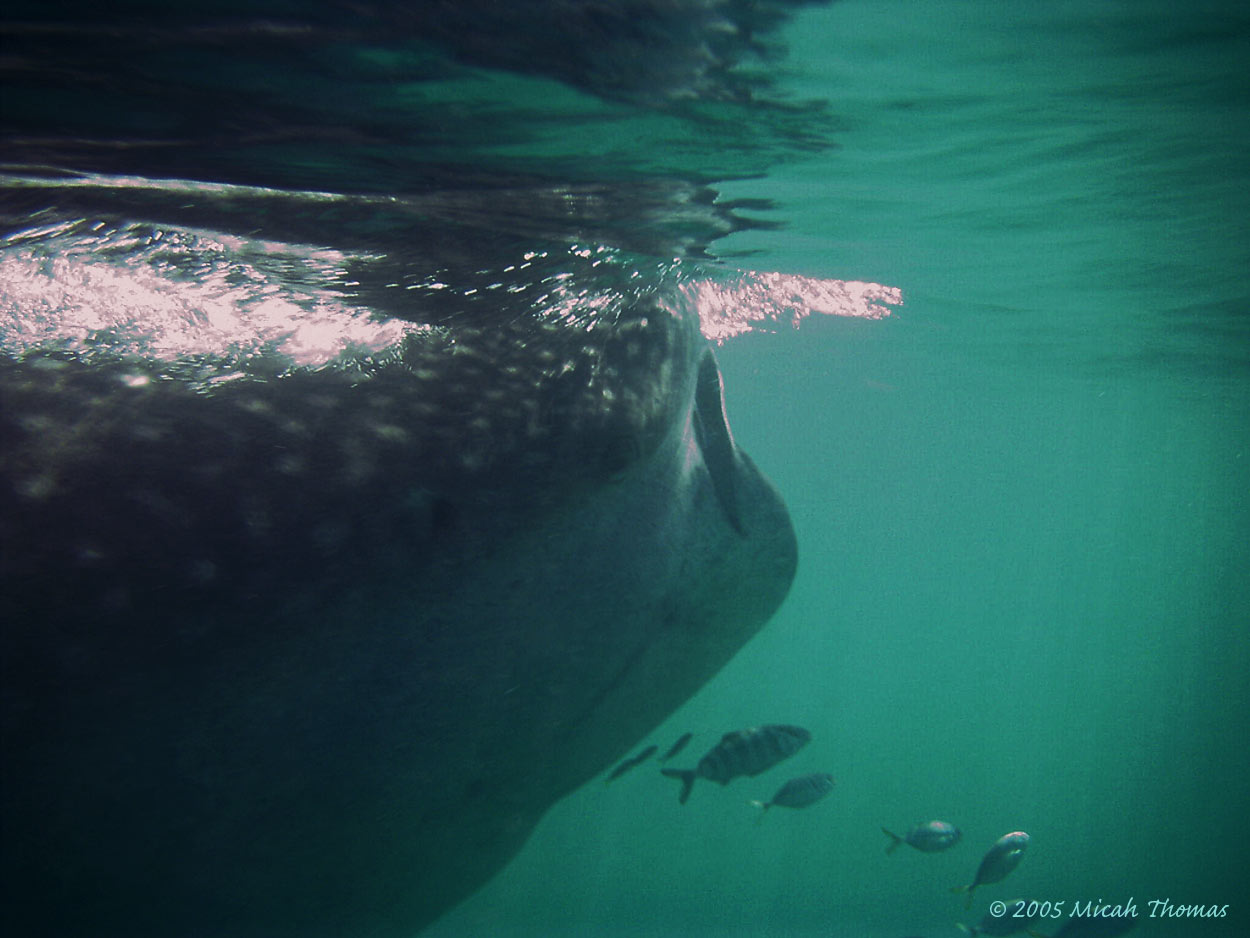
{"x": 752, "y": 751}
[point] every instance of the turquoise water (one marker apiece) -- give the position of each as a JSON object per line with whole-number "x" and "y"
{"x": 1021, "y": 500}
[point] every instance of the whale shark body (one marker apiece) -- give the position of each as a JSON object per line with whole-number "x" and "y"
{"x": 328, "y": 568}
{"x": 282, "y": 657}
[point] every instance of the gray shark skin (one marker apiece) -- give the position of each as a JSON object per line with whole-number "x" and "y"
{"x": 359, "y": 496}
{"x": 309, "y": 652}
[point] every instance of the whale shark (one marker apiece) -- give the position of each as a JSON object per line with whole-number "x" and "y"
{"x": 312, "y": 654}
{"x": 342, "y": 533}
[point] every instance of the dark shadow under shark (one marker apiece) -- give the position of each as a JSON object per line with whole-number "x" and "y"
{"x": 303, "y": 640}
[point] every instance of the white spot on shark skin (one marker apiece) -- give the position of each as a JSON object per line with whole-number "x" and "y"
{"x": 291, "y": 465}
{"x": 37, "y": 487}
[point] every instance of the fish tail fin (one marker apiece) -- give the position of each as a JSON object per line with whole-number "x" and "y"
{"x": 763, "y": 806}
{"x": 895, "y": 840}
{"x": 687, "y": 781}
{"x": 964, "y": 928}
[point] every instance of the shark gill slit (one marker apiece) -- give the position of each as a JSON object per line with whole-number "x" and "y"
{"x": 711, "y": 431}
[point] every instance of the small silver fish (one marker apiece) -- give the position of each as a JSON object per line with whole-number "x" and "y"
{"x": 930, "y": 837}
{"x": 744, "y": 752}
{"x": 998, "y": 861}
{"x": 630, "y": 763}
{"x": 677, "y": 747}
{"x": 799, "y": 792}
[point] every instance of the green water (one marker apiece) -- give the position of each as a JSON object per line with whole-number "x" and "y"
{"x": 1022, "y": 501}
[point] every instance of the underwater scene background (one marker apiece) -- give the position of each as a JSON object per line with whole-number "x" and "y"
{"x": 1021, "y": 499}
{"x": 977, "y": 272}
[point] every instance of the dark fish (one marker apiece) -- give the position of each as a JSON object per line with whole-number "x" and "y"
{"x": 630, "y": 763}
{"x": 1000, "y": 860}
{"x": 743, "y": 752}
{"x": 1012, "y": 922}
{"x": 800, "y": 792}
{"x": 677, "y": 747}
{"x": 931, "y": 837}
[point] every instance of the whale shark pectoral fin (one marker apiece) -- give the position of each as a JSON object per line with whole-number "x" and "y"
{"x": 711, "y": 430}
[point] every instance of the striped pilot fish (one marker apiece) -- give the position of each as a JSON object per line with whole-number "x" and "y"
{"x": 998, "y": 861}
{"x": 799, "y": 792}
{"x": 930, "y": 837}
{"x": 743, "y": 752}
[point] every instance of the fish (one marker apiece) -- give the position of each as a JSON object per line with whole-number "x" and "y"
{"x": 677, "y": 746}
{"x": 930, "y": 837}
{"x": 1008, "y": 923}
{"x": 799, "y": 792}
{"x": 1003, "y": 857}
{"x": 354, "y": 509}
{"x": 743, "y": 752}
{"x": 630, "y": 763}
